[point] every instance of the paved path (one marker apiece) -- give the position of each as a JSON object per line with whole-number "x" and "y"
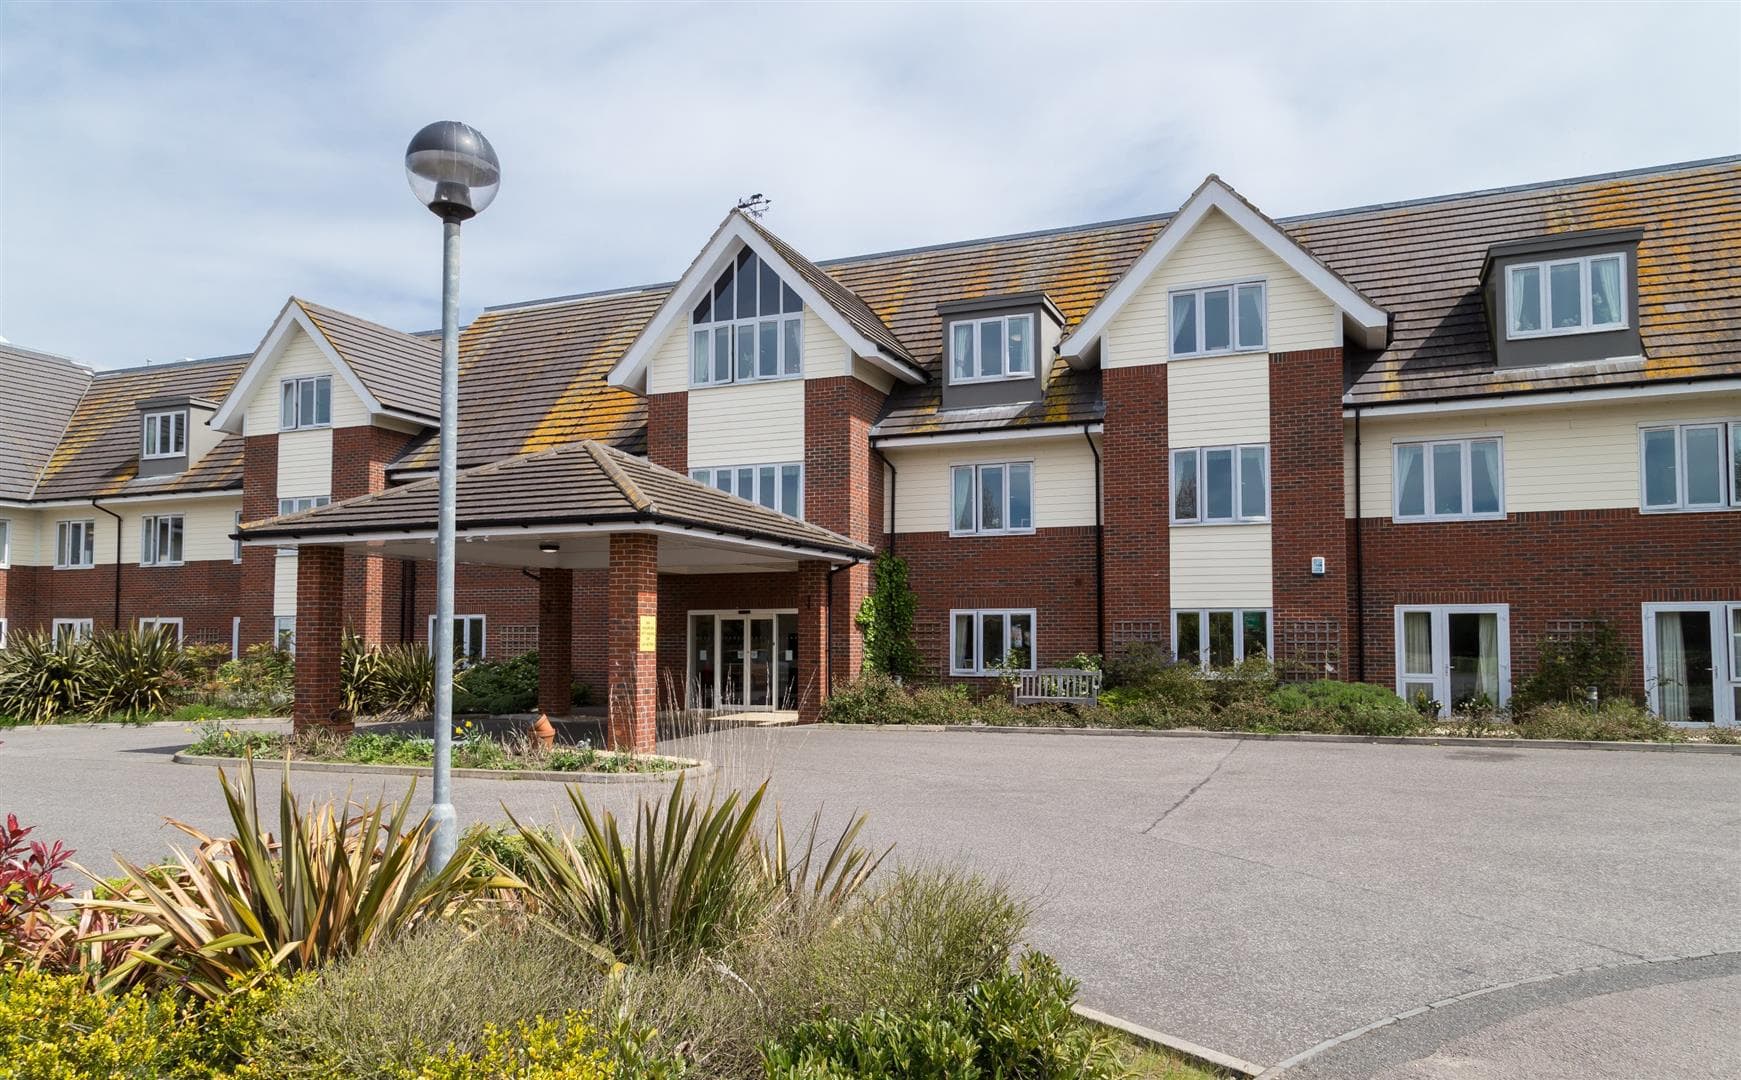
{"x": 1256, "y": 897}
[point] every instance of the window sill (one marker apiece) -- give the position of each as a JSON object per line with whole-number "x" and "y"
{"x": 1714, "y": 508}
{"x": 983, "y": 380}
{"x": 161, "y": 565}
{"x": 1207, "y": 524}
{"x": 1435, "y": 520}
{"x": 797, "y": 377}
{"x": 304, "y": 427}
{"x": 1247, "y": 350}
{"x": 953, "y": 535}
{"x": 1570, "y": 331}
{"x": 162, "y": 457}
{"x": 77, "y": 566}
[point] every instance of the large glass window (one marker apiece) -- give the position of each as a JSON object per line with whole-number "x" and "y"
{"x": 778, "y": 486}
{"x": 305, "y": 403}
{"x": 171, "y": 627}
{"x": 981, "y": 350}
{"x": 1449, "y": 480}
{"x": 1225, "y": 319}
{"x": 1220, "y": 485}
{"x": 75, "y": 544}
{"x": 165, "y": 435}
{"x": 748, "y": 327}
{"x": 995, "y": 498}
{"x": 468, "y": 636}
{"x": 160, "y": 540}
{"x": 1689, "y": 466}
{"x": 987, "y": 642}
{"x": 1453, "y": 657}
{"x": 1220, "y": 637}
{"x": 1568, "y": 296}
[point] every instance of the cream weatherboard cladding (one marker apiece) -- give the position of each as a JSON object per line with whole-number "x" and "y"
{"x": 284, "y": 586}
{"x": 1562, "y": 458}
{"x": 300, "y": 355}
{"x": 1220, "y": 252}
{"x": 1063, "y": 480}
{"x": 1220, "y": 566}
{"x": 746, "y": 424}
{"x": 305, "y": 463}
{"x": 1216, "y": 400}
{"x": 206, "y": 527}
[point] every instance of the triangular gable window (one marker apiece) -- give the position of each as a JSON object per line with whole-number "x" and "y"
{"x": 749, "y": 326}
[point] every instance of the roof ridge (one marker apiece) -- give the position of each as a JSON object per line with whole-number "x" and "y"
{"x": 192, "y": 361}
{"x": 628, "y": 487}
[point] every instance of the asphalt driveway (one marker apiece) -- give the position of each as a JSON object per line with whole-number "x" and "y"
{"x": 1261, "y": 898}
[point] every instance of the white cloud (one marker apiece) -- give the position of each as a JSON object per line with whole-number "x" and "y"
{"x": 169, "y": 173}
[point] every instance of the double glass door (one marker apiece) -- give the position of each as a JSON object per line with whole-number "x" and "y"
{"x": 743, "y": 660}
{"x": 1692, "y": 662}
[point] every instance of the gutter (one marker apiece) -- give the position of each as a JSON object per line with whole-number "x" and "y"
{"x": 1099, "y": 555}
{"x": 98, "y": 506}
{"x": 933, "y": 438}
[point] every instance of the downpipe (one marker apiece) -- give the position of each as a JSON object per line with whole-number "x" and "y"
{"x": 118, "y": 539}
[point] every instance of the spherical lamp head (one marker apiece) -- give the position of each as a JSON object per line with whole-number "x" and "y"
{"x": 453, "y": 169}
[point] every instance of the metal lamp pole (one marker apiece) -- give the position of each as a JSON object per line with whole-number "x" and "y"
{"x": 454, "y": 172}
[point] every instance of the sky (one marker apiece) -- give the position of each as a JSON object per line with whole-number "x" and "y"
{"x": 171, "y": 173}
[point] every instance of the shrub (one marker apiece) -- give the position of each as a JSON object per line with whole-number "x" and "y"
{"x": 245, "y": 907}
{"x": 404, "y": 682}
{"x": 872, "y": 698}
{"x": 510, "y": 686}
{"x": 565, "y": 1048}
{"x": 1015, "y": 1023}
{"x": 134, "y": 673}
{"x": 41, "y": 682}
{"x": 1572, "y": 663}
{"x": 1334, "y": 707}
{"x": 1616, "y": 719}
{"x": 28, "y": 890}
{"x": 886, "y": 618}
{"x": 262, "y": 681}
{"x": 53, "y": 1026}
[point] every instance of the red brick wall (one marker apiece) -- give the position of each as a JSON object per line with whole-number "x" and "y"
{"x": 679, "y": 594}
{"x": 1135, "y": 475}
{"x": 1051, "y": 571}
{"x": 1551, "y": 566}
{"x": 843, "y": 491}
{"x": 632, "y": 691}
{"x": 668, "y": 430}
{"x": 205, "y": 595}
{"x": 1307, "y": 511}
{"x": 320, "y": 586}
{"x": 555, "y": 640}
{"x": 259, "y": 501}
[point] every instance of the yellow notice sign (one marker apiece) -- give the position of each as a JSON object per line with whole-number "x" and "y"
{"x": 649, "y": 634}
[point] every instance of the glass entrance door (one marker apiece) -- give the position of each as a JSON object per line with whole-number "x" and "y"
{"x": 1684, "y": 663}
{"x": 743, "y": 660}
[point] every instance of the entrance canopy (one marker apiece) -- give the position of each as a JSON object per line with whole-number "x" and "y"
{"x": 559, "y": 508}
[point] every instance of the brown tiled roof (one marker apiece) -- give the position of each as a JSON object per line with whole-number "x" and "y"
{"x": 99, "y": 454}
{"x": 1422, "y": 261}
{"x": 402, "y": 370}
{"x": 849, "y": 304}
{"x": 1072, "y": 397}
{"x": 576, "y": 483}
{"x": 42, "y": 391}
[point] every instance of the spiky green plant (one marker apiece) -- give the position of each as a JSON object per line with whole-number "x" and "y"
{"x": 41, "y": 681}
{"x": 242, "y": 908}
{"x": 404, "y": 681}
{"x": 138, "y": 672}
{"x": 692, "y": 875}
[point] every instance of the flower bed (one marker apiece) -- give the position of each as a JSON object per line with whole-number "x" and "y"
{"x": 472, "y": 749}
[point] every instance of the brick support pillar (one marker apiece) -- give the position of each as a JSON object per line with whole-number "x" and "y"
{"x": 812, "y": 639}
{"x": 633, "y": 622}
{"x": 1312, "y": 638}
{"x": 555, "y": 641}
{"x": 320, "y": 598}
{"x": 1134, "y": 492}
{"x": 259, "y": 564}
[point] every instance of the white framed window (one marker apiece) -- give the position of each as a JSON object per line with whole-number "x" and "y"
{"x": 468, "y": 636}
{"x": 1453, "y": 654}
{"x": 236, "y": 545}
{"x": 5, "y": 543}
{"x": 1220, "y": 637}
{"x": 1448, "y": 480}
{"x": 1566, "y": 296}
{"x": 235, "y": 637}
{"x": 75, "y": 545}
{"x": 1220, "y": 485}
{"x": 987, "y": 350}
{"x": 1688, "y": 466}
{"x": 986, "y": 642}
{"x": 64, "y": 631}
{"x": 991, "y": 499}
{"x": 295, "y": 506}
{"x": 305, "y": 402}
{"x": 749, "y": 327}
{"x": 779, "y": 486}
{"x": 1221, "y": 319}
{"x": 167, "y": 626}
{"x": 284, "y": 634}
{"x": 165, "y": 435}
{"x": 160, "y": 541}
{"x": 2, "y": 633}
{"x": 1692, "y": 662}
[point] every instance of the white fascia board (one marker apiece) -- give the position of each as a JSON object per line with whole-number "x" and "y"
{"x": 1049, "y": 431}
{"x": 530, "y": 532}
{"x": 110, "y": 500}
{"x": 1526, "y": 399}
{"x": 1215, "y": 195}
{"x": 229, "y": 414}
{"x": 630, "y": 372}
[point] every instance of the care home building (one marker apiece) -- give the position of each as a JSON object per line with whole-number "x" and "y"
{"x": 1400, "y": 443}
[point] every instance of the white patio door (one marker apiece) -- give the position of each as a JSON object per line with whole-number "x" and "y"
{"x": 1692, "y": 662}
{"x": 1454, "y": 655}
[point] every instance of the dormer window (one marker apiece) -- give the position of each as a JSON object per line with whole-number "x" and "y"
{"x": 1566, "y": 296}
{"x": 981, "y": 350}
{"x": 749, "y": 327}
{"x": 165, "y": 435}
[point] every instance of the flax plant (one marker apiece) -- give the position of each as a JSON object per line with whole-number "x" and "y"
{"x": 245, "y": 907}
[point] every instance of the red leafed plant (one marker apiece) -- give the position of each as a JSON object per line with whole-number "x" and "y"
{"x": 28, "y": 891}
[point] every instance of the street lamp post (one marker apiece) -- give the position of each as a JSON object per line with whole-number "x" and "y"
{"x": 454, "y": 172}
